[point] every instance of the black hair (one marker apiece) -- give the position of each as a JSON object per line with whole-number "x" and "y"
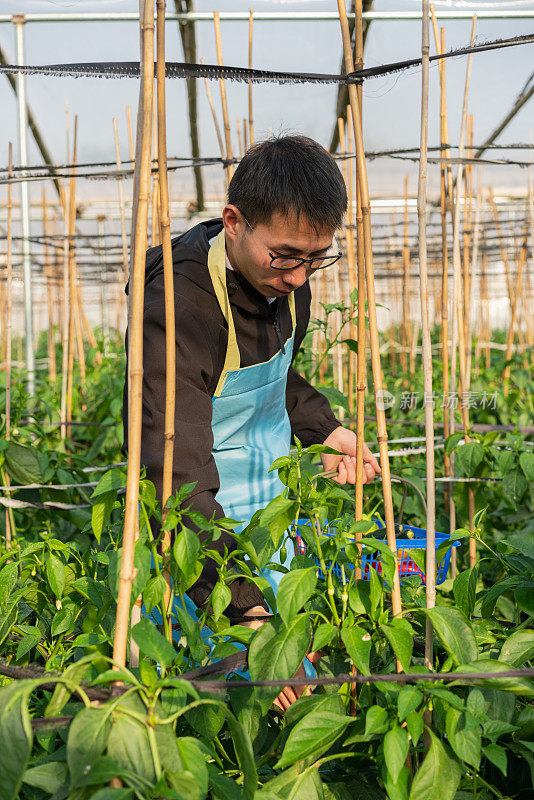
{"x": 292, "y": 175}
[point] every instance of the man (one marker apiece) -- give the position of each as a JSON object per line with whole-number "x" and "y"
{"x": 242, "y": 303}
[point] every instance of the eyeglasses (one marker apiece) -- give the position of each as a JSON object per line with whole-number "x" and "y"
{"x": 287, "y": 263}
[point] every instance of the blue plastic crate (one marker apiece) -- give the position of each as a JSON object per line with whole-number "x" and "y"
{"x": 407, "y": 566}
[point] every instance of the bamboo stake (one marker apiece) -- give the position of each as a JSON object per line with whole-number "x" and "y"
{"x": 135, "y": 365}
{"x": 170, "y": 335}
{"x": 510, "y": 337}
{"x": 122, "y": 208}
{"x": 226, "y": 120}
{"x": 458, "y": 315}
{"x": 373, "y": 328}
{"x": 245, "y": 134}
{"x": 474, "y": 272}
{"x": 360, "y": 264}
{"x": 155, "y": 229}
{"x": 10, "y": 521}
{"x": 239, "y": 137}
{"x": 213, "y": 114}
{"x": 427, "y": 348}
{"x": 250, "y": 114}
{"x": 130, "y": 135}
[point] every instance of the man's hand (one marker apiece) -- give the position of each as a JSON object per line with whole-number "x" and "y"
{"x": 344, "y": 440}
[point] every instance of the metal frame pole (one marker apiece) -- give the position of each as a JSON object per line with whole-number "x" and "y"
{"x": 18, "y": 21}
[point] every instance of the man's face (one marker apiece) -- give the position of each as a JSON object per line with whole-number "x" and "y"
{"x": 284, "y": 236}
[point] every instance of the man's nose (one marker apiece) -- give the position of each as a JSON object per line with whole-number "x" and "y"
{"x": 296, "y": 277}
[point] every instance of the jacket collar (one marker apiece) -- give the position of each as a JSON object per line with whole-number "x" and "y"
{"x": 190, "y": 260}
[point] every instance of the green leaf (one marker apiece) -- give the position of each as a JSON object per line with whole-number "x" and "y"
{"x": 452, "y": 441}
{"x": 295, "y": 588}
{"x": 415, "y": 725}
{"x": 376, "y": 720}
{"x": 110, "y": 481}
{"x": 520, "y": 686}
{"x": 455, "y": 632}
{"x": 111, "y": 793}
{"x": 312, "y": 736}
{"x": 396, "y": 790}
{"x": 191, "y": 631}
{"x": 497, "y": 755}
{"x": 396, "y": 747}
{"x": 222, "y": 787}
{"x": 276, "y": 652}
{"x": 464, "y": 735}
{"x": 464, "y": 589}
{"x": 7, "y": 620}
{"x": 220, "y": 599}
{"x": 387, "y": 558}
{"x": 324, "y": 635}
{"x": 23, "y": 464}
{"x": 505, "y": 461}
{"x": 358, "y": 644}
{"x": 152, "y": 643}
{"x": 193, "y": 761}
{"x": 154, "y": 592}
{"x": 526, "y": 461}
{"x": 128, "y": 742}
{"x": 8, "y": 580}
{"x": 514, "y": 486}
{"x": 523, "y": 541}
{"x": 74, "y": 673}
{"x": 55, "y": 575}
{"x": 278, "y": 516}
{"x": 518, "y": 648}
{"x": 101, "y": 512}
{"x": 48, "y": 777}
{"x": 186, "y": 550}
{"x": 399, "y": 634}
{"x": 409, "y": 699}
{"x": 438, "y": 776}
{"x": 15, "y": 736}
{"x": 206, "y": 719}
{"x": 245, "y": 756}
{"x": 88, "y": 735}
{"x": 27, "y": 643}
{"x": 334, "y": 397}
{"x": 494, "y": 592}
{"x": 468, "y": 457}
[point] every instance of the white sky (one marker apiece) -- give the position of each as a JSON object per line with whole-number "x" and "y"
{"x": 391, "y": 104}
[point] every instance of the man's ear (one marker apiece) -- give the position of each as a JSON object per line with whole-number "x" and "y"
{"x": 232, "y": 221}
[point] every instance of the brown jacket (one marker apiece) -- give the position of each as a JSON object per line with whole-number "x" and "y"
{"x": 201, "y": 338}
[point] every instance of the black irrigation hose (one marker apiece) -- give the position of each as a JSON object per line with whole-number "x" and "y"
{"x": 131, "y": 69}
{"x": 238, "y": 661}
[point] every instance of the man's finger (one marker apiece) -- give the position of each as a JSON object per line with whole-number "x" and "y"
{"x": 369, "y": 472}
{"x": 369, "y": 458}
{"x": 341, "y": 473}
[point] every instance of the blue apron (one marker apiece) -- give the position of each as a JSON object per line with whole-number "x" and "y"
{"x": 251, "y": 428}
{"x": 250, "y": 424}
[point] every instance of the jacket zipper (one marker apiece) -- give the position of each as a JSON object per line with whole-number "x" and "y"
{"x": 277, "y": 329}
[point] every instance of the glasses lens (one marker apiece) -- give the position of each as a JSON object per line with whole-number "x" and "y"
{"x": 282, "y": 262}
{"x": 322, "y": 263}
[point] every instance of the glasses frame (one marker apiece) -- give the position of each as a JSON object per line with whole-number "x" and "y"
{"x": 331, "y": 259}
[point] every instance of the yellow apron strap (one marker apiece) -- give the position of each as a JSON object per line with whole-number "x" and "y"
{"x": 291, "y": 300}
{"x": 217, "y": 270}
